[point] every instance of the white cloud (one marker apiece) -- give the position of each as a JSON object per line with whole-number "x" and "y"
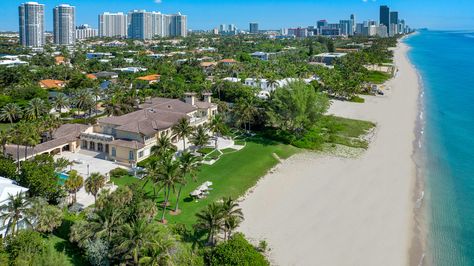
{"x": 158, "y": 1}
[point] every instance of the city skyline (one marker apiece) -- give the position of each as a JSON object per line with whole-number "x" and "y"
{"x": 208, "y": 14}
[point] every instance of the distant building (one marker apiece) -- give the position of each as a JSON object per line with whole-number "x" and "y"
{"x": 31, "y": 21}
{"x": 85, "y": 32}
{"x": 222, "y": 28}
{"x": 385, "y": 16}
{"x": 52, "y": 84}
{"x": 140, "y": 26}
{"x": 64, "y": 25}
{"x": 179, "y": 25}
{"x": 393, "y": 30}
{"x": 298, "y": 32}
{"x": 328, "y": 58}
{"x": 346, "y": 27}
{"x": 113, "y": 24}
{"x": 322, "y": 23}
{"x": 354, "y": 23}
{"x": 262, "y": 55}
{"x": 253, "y": 29}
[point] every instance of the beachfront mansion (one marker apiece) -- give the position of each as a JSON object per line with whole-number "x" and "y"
{"x": 128, "y": 138}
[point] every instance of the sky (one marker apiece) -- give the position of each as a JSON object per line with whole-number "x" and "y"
{"x": 270, "y": 14}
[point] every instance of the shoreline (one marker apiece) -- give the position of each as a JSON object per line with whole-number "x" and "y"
{"x": 364, "y": 208}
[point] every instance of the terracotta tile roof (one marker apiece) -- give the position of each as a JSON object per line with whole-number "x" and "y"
{"x": 228, "y": 61}
{"x": 51, "y": 83}
{"x": 59, "y": 60}
{"x": 156, "y": 114}
{"x": 91, "y": 76}
{"x": 208, "y": 64}
{"x": 154, "y": 77}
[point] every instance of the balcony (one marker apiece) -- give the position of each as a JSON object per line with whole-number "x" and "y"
{"x": 97, "y": 137}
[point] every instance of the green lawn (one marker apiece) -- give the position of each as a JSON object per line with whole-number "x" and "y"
{"x": 377, "y": 77}
{"x": 233, "y": 174}
{"x": 71, "y": 251}
{"x": 348, "y": 132}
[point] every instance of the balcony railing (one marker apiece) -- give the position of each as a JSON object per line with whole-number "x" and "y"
{"x": 97, "y": 137}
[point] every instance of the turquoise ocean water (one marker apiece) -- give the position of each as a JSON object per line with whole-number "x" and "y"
{"x": 445, "y": 61}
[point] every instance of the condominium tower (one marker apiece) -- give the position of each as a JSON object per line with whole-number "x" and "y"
{"x": 85, "y": 31}
{"x": 145, "y": 25}
{"x": 64, "y": 25}
{"x": 113, "y": 25}
{"x": 253, "y": 28}
{"x": 385, "y": 16}
{"x": 31, "y": 21}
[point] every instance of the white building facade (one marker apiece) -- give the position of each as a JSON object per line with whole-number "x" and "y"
{"x": 64, "y": 25}
{"x": 31, "y": 21}
{"x": 113, "y": 25}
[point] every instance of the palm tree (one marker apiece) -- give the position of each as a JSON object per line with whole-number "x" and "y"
{"x": 61, "y": 102}
{"x": 210, "y": 220}
{"x": 46, "y": 217}
{"x": 15, "y": 211}
{"x": 152, "y": 174}
{"x": 170, "y": 176}
{"x": 232, "y": 216}
{"x": 61, "y": 164}
{"x": 200, "y": 137}
{"x": 218, "y": 127}
{"x": 84, "y": 100}
{"x": 36, "y": 108}
{"x": 74, "y": 183}
{"x": 94, "y": 183}
{"x": 160, "y": 251}
{"x": 5, "y": 138}
{"x": 133, "y": 238}
{"x": 183, "y": 130}
{"x": 245, "y": 111}
{"x": 163, "y": 145}
{"x": 10, "y": 112}
{"x": 189, "y": 165}
{"x": 96, "y": 92}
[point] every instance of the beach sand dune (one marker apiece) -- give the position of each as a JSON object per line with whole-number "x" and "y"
{"x": 322, "y": 210}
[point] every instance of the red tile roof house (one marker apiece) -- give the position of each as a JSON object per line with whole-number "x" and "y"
{"x": 128, "y": 138}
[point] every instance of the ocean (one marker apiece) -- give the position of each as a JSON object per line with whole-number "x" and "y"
{"x": 445, "y": 62}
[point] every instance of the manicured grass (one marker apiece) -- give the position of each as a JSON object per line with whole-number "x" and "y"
{"x": 71, "y": 251}
{"x": 232, "y": 175}
{"x": 206, "y": 150}
{"x": 377, "y": 77}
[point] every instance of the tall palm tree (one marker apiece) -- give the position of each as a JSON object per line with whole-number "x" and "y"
{"x": 183, "y": 130}
{"x": 36, "y": 108}
{"x": 211, "y": 221}
{"x": 218, "y": 127}
{"x": 60, "y": 102}
{"x": 160, "y": 251}
{"x": 96, "y": 93}
{"x": 5, "y": 138}
{"x": 245, "y": 111}
{"x": 232, "y": 215}
{"x": 170, "y": 176}
{"x": 45, "y": 217}
{"x": 10, "y": 112}
{"x": 61, "y": 164}
{"x": 94, "y": 183}
{"x": 200, "y": 137}
{"x": 74, "y": 183}
{"x": 134, "y": 237}
{"x": 188, "y": 164}
{"x": 84, "y": 100}
{"x": 15, "y": 211}
{"x": 152, "y": 174}
{"x": 163, "y": 145}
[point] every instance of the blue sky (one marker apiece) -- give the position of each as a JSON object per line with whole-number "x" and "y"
{"x": 271, "y": 14}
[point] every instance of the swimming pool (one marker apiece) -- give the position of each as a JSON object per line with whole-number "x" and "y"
{"x": 63, "y": 176}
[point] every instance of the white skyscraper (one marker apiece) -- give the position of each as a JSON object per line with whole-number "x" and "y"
{"x": 113, "y": 24}
{"x": 64, "y": 25}
{"x": 179, "y": 25}
{"x": 141, "y": 25}
{"x": 85, "y": 32}
{"x": 157, "y": 24}
{"x": 31, "y": 15}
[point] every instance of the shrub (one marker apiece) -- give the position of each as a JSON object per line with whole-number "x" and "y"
{"x": 235, "y": 251}
{"x": 118, "y": 172}
{"x": 357, "y": 99}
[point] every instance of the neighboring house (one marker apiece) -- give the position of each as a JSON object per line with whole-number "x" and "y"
{"x": 99, "y": 55}
{"x": 231, "y": 79}
{"x": 65, "y": 138}
{"x": 262, "y": 55}
{"x": 61, "y": 60}
{"x": 103, "y": 75}
{"x": 129, "y": 138}
{"x": 327, "y": 58}
{"x": 52, "y": 84}
{"x": 228, "y": 62}
{"x": 130, "y": 69}
{"x": 9, "y": 187}
{"x": 11, "y": 61}
{"x": 151, "y": 79}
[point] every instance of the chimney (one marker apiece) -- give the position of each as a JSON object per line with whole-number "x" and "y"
{"x": 207, "y": 97}
{"x": 190, "y": 98}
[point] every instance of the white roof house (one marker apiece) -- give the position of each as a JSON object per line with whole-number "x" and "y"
{"x": 9, "y": 187}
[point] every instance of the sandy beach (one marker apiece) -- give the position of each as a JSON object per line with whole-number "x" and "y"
{"x": 323, "y": 210}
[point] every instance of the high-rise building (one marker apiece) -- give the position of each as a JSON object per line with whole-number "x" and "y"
{"x": 222, "y": 28}
{"x": 385, "y": 16}
{"x": 113, "y": 25}
{"x": 253, "y": 29}
{"x": 85, "y": 32}
{"x": 179, "y": 25}
{"x": 354, "y": 23}
{"x": 393, "y": 29}
{"x": 141, "y": 25}
{"x": 346, "y": 27}
{"x": 157, "y": 24}
{"x": 64, "y": 25}
{"x": 31, "y": 21}
{"x": 232, "y": 28}
{"x": 322, "y": 23}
